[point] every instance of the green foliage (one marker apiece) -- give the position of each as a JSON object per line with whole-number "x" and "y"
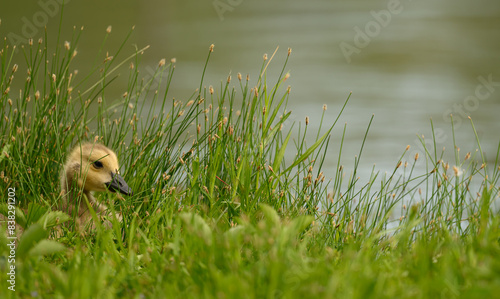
{"x": 220, "y": 210}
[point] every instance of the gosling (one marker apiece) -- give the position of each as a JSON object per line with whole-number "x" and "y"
{"x": 90, "y": 167}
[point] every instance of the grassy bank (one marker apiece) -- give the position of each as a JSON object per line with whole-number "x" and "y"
{"x": 218, "y": 211}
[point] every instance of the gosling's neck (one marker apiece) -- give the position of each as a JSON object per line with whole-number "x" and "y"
{"x": 72, "y": 202}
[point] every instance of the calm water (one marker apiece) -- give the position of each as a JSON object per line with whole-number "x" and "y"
{"x": 405, "y": 62}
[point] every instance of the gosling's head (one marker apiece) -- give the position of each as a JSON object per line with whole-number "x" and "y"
{"x": 94, "y": 167}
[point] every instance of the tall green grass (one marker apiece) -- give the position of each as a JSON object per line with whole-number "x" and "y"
{"x": 220, "y": 207}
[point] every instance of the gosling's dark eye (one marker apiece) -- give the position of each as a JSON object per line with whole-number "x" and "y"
{"x": 98, "y": 164}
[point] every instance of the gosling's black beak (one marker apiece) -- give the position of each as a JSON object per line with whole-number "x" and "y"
{"x": 118, "y": 184}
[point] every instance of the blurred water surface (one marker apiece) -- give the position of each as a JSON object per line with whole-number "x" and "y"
{"x": 404, "y": 61}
